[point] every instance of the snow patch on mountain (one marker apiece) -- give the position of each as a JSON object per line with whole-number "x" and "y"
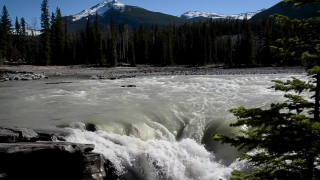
{"x": 100, "y": 8}
{"x": 195, "y": 14}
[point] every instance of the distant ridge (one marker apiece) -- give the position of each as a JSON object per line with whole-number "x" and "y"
{"x": 307, "y": 11}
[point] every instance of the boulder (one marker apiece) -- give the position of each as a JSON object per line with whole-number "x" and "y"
{"x": 8, "y": 136}
{"x": 26, "y": 79}
{"x": 91, "y": 127}
{"x": 94, "y": 77}
{"x": 40, "y": 160}
{"x": 21, "y": 158}
{"x": 46, "y": 135}
{"x": 24, "y": 134}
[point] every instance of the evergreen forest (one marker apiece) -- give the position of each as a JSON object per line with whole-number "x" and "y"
{"x": 227, "y": 41}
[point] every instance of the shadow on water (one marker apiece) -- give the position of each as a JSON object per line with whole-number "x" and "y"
{"x": 224, "y": 153}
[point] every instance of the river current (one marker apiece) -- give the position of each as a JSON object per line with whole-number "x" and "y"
{"x": 161, "y": 129}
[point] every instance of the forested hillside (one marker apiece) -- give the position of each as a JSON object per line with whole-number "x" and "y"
{"x": 307, "y": 11}
{"x": 232, "y": 42}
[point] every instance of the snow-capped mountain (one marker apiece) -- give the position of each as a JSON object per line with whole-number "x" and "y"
{"x": 100, "y": 8}
{"x": 197, "y": 14}
{"x": 135, "y": 16}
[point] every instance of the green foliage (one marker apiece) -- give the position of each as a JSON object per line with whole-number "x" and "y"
{"x": 132, "y": 56}
{"x": 45, "y": 56}
{"x": 57, "y": 38}
{"x": 229, "y": 52}
{"x": 113, "y": 51}
{"x": 89, "y": 43}
{"x": 288, "y": 9}
{"x": 266, "y": 49}
{"x": 168, "y": 42}
{"x": 247, "y": 44}
{"x": 98, "y": 42}
{"x": 283, "y": 142}
{"x": 5, "y": 32}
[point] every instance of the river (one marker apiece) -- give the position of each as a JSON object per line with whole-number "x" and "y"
{"x": 161, "y": 129}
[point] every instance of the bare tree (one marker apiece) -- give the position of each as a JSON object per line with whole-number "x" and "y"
{"x": 34, "y": 25}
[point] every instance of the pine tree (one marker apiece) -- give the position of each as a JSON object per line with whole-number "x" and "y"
{"x": 98, "y": 41}
{"x": 90, "y": 43}
{"x": 214, "y": 45}
{"x": 286, "y": 137}
{"x": 5, "y": 32}
{"x": 68, "y": 51}
{"x": 113, "y": 59}
{"x": 229, "y": 51}
{"x": 57, "y": 34}
{"x": 17, "y": 27}
{"x": 170, "y": 49}
{"x": 23, "y": 41}
{"x": 247, "y": 45}
{"x": 45, "y": 36}
{"x": 132, "y": 56}
{"x": 266, "y": 49}
{"x": 237, "y": 52}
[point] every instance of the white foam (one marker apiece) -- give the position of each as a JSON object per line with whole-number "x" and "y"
{"x": 156, "y": 159}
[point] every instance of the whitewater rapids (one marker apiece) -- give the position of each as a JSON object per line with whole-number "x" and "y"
{"x": 160, "y": 129}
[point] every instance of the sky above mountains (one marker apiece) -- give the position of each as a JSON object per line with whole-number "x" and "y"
{"x": 30, "y": 9}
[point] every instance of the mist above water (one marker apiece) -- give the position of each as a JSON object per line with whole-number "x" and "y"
{"x": 161, "y": 129}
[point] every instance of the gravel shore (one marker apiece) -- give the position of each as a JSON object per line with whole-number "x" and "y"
{"x": 139, "y": 71}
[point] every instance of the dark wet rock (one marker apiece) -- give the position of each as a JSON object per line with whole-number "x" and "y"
{"x": 16, "y": 78}
{"x": 48, "y": 158}
{"x": 129, "y": 86}
{"x": 29, "y": 147}
{"x": 8, "y": 136}
{"x": 91, "y": 127}
{"x": 44, "y": 135}
{"x": 94, "y": 168}
{"x": 24, "y": 134}
{"x": 40, "y": 160}
{"x": 63, "y": 82}
{"x": 25, "y": 79}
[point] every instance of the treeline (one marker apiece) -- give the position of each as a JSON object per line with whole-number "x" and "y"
{"x": 232, "y": 42}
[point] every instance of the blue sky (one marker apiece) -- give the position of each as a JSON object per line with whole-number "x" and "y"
{"x": 30, "y": 9}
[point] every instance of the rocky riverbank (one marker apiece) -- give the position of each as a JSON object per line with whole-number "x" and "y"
{"x": 27, "y": 72}
{"x": 10, "y": 75}
{"x": 180, "y": 70}
{"x": 37, "y": 154}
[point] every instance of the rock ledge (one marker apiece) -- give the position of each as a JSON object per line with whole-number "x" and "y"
{"x": 35, "y": 154}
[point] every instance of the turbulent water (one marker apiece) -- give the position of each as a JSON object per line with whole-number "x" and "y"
{"x": 161, "y": 129}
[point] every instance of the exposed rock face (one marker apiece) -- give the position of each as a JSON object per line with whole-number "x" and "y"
{"x": 33, "y": 154}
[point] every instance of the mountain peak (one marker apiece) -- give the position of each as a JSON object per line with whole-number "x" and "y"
{"x": 197, "y": 14}
{"x": 100, "y": 8}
